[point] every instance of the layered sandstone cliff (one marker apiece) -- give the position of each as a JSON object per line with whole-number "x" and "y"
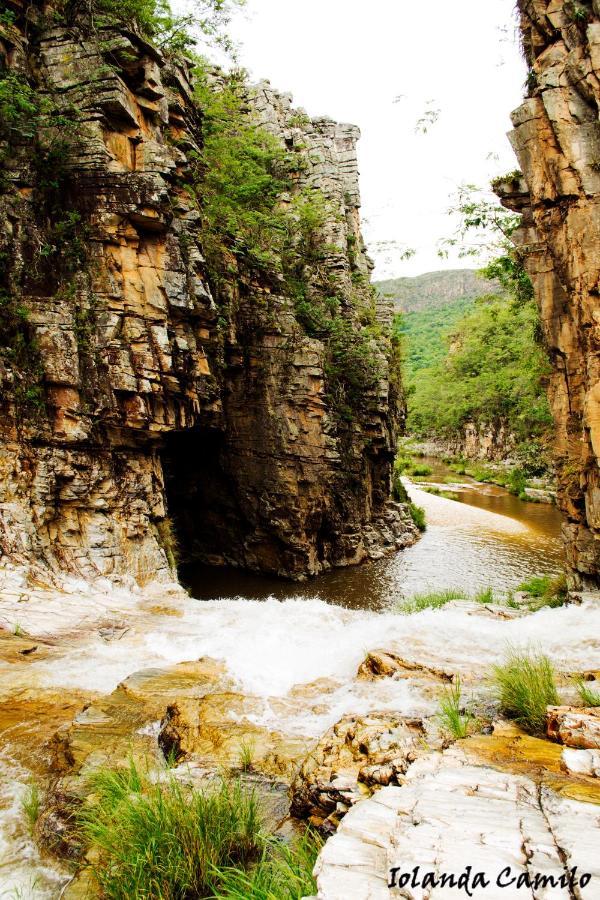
{"x": 556, "y": 138}
{"x": 138, "y": 396}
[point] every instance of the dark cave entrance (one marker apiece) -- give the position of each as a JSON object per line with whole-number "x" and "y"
{"x": 201, "y": 504}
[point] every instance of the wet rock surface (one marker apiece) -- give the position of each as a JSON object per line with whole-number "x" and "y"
{"x": 455, "y": 809}
{"x": 356, "y": 756}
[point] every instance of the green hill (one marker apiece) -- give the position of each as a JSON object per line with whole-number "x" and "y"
{"x": 435, "y": 290}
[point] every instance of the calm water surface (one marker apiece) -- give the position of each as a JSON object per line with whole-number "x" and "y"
{"x": 486, "y": 538}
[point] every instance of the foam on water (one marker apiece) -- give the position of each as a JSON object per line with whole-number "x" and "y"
{"x": 22, "y": 871}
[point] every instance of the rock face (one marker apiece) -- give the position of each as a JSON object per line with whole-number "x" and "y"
{"x": 133, "y": 387}
{"x": 574, "y": 727}
{"x": 556, "y": 138}
{"x": 453, "y": 812}
{"x": 355, "y": 756}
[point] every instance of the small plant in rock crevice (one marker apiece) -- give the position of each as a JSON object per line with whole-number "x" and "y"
{"x": 452, "y": 715}
{"x": 587, "y": 695}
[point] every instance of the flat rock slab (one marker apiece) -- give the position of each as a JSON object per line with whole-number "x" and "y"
{"x": 451, "y": 813}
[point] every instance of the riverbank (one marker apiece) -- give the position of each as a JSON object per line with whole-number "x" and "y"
{"x": 510, "y": 472}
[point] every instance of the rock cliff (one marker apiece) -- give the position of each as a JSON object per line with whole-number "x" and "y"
{"x": 556, "y": 138}
{"x": 145, "y": 402}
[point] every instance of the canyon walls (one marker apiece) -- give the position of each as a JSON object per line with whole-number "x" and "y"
{"x": 556, "y": 138}
{"x": 147, "y": 407}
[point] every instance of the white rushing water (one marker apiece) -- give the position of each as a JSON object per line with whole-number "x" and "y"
{"x": 270, "y": 648}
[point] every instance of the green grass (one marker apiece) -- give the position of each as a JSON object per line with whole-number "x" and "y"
{"x": 588, "y": 697}
{"x": 246, "y": 755}
{"x": 417, "y": 514}
{"x": 430, "y": 600}
{"x": 420, "y": 470}
{"x": 545, "y": 590}
{"x": 485, "y": 595}
{"x": 283, "y": 872}
{"x": 452, "y": 716}
{"x": 31, "y": 804}
{"x": 524, "y": 686}
{"x": 165, "y": 841}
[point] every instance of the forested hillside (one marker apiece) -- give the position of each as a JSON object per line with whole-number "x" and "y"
{"x": 435, "y": 290}
{"x": 476, "y": 361}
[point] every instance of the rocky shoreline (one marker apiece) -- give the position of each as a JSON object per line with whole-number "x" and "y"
{"x": 357, "y": 780}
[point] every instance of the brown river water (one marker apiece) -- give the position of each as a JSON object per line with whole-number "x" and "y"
{"x": 486, "y": 538}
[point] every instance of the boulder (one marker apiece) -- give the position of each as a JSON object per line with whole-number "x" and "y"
{"x": 581, "y": 762}
{"x": 356, "y": 756}
{"x": 220, "y": 731}
{"x": 574, "y": 726}
{"x": 387, "y": 664}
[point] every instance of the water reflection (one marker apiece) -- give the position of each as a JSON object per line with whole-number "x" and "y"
{"x": 488, "y": 538}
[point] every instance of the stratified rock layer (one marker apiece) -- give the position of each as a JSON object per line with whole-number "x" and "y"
{"x": 155, "y": 390}
{"x": 455, "y": 812}
{"x": 557, "y": 141}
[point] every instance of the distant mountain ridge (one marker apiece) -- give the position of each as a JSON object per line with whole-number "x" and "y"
{"x": 433, "y": 290}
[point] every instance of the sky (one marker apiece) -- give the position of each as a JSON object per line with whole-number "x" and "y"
{"x": 384, "y": 65}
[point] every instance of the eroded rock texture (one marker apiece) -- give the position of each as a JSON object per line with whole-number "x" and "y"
{"x": 151, "y": 391}
{"x": 557, "y": 141}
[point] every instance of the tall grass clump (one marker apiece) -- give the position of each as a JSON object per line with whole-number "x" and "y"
{"x": 452, "y": 715}
{"x": 587, "y": 696}
{"x": 163, "y": 840}
{"x": 524, "y": 686}
{"x": 31, "y": 804}
{"x": 545, "y": 590}
{"x": 283, "y": 872}
{"x": 417, "y": 514}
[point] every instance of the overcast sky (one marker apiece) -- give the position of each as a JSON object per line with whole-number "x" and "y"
{"x": 382, "y": 65}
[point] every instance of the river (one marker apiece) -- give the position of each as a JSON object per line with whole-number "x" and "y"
{"x": 485, "y": 538}
{"x": 276, "y": 638}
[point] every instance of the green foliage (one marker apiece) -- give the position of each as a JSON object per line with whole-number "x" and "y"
{"x": 163, "y": 841}
{"x": 545, "y": 590}
{"x": 283, "y": 872}
{"x": 31, "y": 804}
{"x": 417, "y": 514}
{"x": 19, "y": 106}
{"x": 524, "y": 686}
{"x": 493, "y": 374}
{"x": 485, "y": 595}
{"x": 430, "y": 600}
{"x": 587, "y": 695}
{"x": 423, "y": 333}
{"x": 420, "y": 470}
{"x": 452, "y": 715}
{"x": 246, "y": 755}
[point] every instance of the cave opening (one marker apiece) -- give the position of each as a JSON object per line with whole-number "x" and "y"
{"x": 201, "y": 506}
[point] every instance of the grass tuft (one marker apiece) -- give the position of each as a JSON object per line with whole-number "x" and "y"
{"x": 283, "y": 872}
{"x": 430, "y": 600}
{"x": 31, "y": 804}
{"x": 246, "y": 755}
{"x": 545, "y": 590}
{"x": 165, "y": 841}
{"x": 452, "y": 715}
{"x": 587, "y": 695}
{"x": 524, "y": 686}
{"x": 417, "y": 514}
